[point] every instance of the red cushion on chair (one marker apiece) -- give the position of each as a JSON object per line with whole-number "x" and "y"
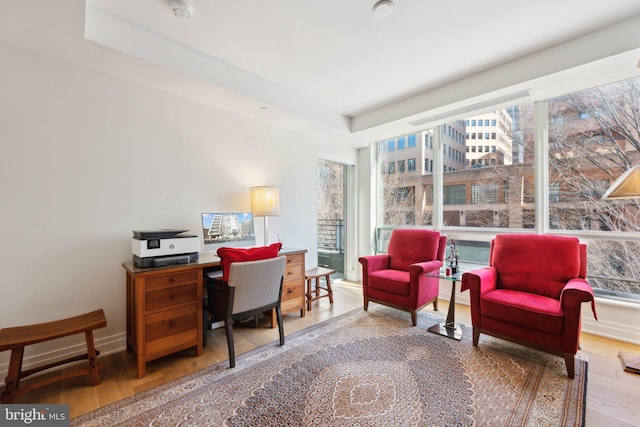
{"x": 229, "y": 255}
{"x": 391, "y": 281}
{"x": 527, "y": 310}
{"x": 411, "y": 245}
{"x": 550, "y": 262}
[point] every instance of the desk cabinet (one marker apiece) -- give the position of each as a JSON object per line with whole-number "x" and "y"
{"x": 293, "y": 294}
{"x": 164, "y": 313}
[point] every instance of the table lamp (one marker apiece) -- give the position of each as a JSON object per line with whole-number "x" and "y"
{"x": 265, "y": 202}
{"x": 627, "y": 186}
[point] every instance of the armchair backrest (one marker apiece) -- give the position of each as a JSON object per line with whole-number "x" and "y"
{"x": 411, "y": 245}
{"x": 257, "y": 283}
{"x": 538, "y": 264}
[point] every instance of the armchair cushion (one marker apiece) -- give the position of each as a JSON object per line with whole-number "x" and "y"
{"x": 411, "y": 246}
{"x": 525, "y": 309}
{"x": 391, "y": 281}
{"x": 550, "y": 262}
{"x": 229, "y": 255}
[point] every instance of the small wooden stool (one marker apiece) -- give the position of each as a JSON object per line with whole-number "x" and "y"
{"x": 15, "y": 339}
{"x": 317, "y": 273}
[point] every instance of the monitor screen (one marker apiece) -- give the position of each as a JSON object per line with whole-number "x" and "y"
{"x": 227, "y": 229}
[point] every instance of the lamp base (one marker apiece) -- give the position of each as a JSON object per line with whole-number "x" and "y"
{"x": 630, "y": 362}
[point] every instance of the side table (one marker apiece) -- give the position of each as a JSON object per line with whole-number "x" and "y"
{"x": 448, "y": 328}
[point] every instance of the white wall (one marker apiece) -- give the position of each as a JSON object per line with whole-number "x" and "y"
{"x": 86, "y": 158}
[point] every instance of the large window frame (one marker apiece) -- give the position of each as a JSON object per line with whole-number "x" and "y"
{"x": 543, "y": 191}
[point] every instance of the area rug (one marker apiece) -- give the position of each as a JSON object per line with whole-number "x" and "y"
{"x": 366, "y": 369}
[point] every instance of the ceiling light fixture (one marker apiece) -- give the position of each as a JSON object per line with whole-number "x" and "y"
{"x": 181, "y": 9}
{"x": 383, "y": 8}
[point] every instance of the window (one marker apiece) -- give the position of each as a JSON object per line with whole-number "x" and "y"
{"x": 392, "y": 145}
{"x": 486, "y": 122}
{"x": 411, "y": 165}
{"x": 401, "y": 142}
{"x": 392, "y": 167}
{"x": 400, "y": 166}
{"x": 486, "y": 135}
{"x": 479, "y": 135}
{"x": 592, "y": 137}
{"x": 484, "y": 194}
{"x": 455, "y": 194}
{"x": 486, "y": 148}
{"x": 411, "y": 141}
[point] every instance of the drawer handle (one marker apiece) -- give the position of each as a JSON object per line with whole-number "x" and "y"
{"x": 289, "y": 291}
{"x": 172, "y": 323}
{"x": 173, "y": 279}
{"x": 289, "y": 273}
{"x": 172, "y": 296}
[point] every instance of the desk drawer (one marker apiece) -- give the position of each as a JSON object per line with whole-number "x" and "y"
{"x": 171, "y": 279}
{"x": 171, "y": 328}
{"x": 295, "y": 259}
{"x": 292, "y": 290}
{"x": 174, "y": 295}
{"x": 293, "y": 272}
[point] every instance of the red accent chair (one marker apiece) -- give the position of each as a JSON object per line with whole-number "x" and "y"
{"x": 532, "y": 293}
{"x": 398, "y": 278}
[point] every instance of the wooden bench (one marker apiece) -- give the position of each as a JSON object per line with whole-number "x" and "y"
{"x": 15, "y": 339}
{"x": 317, "y": 273}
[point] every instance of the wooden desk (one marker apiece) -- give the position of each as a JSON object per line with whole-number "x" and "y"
{"x": 164, "y": 304}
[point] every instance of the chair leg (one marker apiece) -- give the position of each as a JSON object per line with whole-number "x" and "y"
{"x": 570, "y": 364}
{"x": 366, "y": 303}
{"x": 280, "y": 326}
{"x": 228, "y": 326}
{"x": 328, "y": 279}
{"x": 414, "y": 318}
{"x": 435, "y": 304}
{"x": 476, "y": 336}
{"x": 205, "y": 315}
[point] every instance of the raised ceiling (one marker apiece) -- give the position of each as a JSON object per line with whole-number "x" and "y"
{"x": 334, "y": 65}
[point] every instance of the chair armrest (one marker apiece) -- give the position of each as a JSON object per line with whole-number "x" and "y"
{"x": 374, "y": 262}
{"x": 575, "y": 292}
{"x": 425, "y": 267}
{"x": 481, "y": 280}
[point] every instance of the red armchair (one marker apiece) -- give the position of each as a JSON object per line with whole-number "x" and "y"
{"x": 532, "y": 293}
{"x": 398, "y": 278}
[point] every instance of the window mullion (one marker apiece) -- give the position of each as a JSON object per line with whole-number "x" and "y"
{"x": 541, "y": 166}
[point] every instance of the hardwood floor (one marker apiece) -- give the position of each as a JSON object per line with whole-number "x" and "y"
{"x": 613, "y": 396}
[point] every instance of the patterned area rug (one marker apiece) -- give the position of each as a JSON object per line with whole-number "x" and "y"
{"x": 366, "y": 369}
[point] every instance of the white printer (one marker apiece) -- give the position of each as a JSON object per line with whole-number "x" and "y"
{"x": 157, "y": 248}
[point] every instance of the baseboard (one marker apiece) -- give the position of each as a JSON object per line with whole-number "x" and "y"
{"x": 106, "y": 345}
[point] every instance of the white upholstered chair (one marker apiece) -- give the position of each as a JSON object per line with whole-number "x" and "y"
{"x": 254, "y": 287}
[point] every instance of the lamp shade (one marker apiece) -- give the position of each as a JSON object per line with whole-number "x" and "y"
{"x": 265, "y": 201}
{"x": 627, "y": 186}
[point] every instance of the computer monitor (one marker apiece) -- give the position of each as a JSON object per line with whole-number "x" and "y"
{"x": 231, "y": 229}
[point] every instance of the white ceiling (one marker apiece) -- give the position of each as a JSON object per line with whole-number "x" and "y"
{"x": 333, "y": 65}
